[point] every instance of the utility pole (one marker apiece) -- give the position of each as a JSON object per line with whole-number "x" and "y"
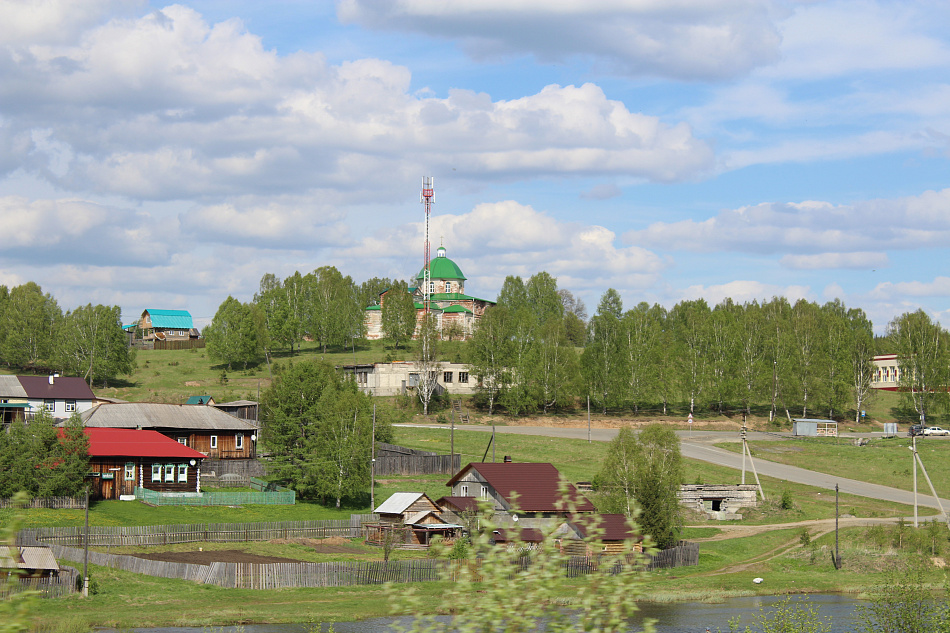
{"x": 372, "y": 465}
{"x": 85, "y": 556}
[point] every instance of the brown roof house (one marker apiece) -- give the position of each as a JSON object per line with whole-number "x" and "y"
{"x": 529, "y": 492}
{"x": 412, "y": 518}
{"x": 206, "y": 429}
{"x": 60, "y": 396}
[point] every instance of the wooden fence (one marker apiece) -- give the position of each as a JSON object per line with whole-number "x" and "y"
{"x": 50, "y": 503}
{"x": 167, "y": 345}
{"x": 684, "y": 554}
{"x": 53, "y": 587}
{"x": 144, "y": 535}
{"x": 399, "y": 460}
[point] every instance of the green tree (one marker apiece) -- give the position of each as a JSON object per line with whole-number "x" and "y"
{"x": 40, "y": 459}
{"x": 427, "y": 363}
{"x": 603, "y": 362}
{"x": 90, "y": 343}
{"x": 489, "y": 351}
{"x": 318, "y": 427}
{"x": 689, "y": 321}
{"x": 861, "y": 359}
{"x": 923, "y": 361}
{"x": 644, "y": 471}
{"x": 28, "y": 322}
{"x": 556, "y": 368}
{"x": 809, "y": 353}
{"x": 752, "y": 370}
{"x": 398, "y": 314}
{"x": 641, "y": 330}
{"x": 905, "y": 605}
{"x": 237, "y": 334}
{"x": 335, "y": 314}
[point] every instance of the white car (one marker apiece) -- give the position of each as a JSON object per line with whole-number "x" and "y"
{"x": 936, "y": 430}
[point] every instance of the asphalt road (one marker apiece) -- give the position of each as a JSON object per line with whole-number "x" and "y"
{"x": 699, "y": 445}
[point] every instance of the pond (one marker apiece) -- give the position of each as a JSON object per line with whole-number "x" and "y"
{"x": 688, "y": 617}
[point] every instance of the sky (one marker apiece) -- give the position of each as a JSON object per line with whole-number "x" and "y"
{"x": 166, "y": 156}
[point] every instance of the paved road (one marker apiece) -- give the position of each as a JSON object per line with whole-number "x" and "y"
{"x": 699, "y": 445}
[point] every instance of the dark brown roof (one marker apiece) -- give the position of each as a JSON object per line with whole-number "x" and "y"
{"x": 537, "y": 485}
{"x": 611, "y": 527}
{"x": 63, "y": 387}
{"x": 462, "y": 504}
{"x": 526, "y": 535}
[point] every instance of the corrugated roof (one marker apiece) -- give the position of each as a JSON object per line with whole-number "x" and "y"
{"x": 462, "y": 504}
{"x": 398, "y": 502}
{"x": 135, "y": 443}
{"x": 153, "y": 415}
{"x": 10, "y": 387}
{"x": 610, "y": 527}
{"x": 64, "y": 387}
{"x": 537, "y": 485}
{"x": 172, "y": 319}
{"x": 199, "y": 400}
{"x": 456, "y": 308}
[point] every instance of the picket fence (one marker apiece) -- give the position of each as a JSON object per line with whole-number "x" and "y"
{"x": 64, "y": 584}
{"x": 111, "y": 536}
{"x": 49, "y": 503}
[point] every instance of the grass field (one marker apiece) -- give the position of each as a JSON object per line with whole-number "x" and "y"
{"x": 883, "y": 461}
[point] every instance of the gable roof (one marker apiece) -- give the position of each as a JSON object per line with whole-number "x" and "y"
{"x": 154, "y": 415}
{"x": 66, "y": 387}
{"x": 135, "y": 443}
{"x": 399, "y": 502}
{"x": 460, "y": 504}
{"x": 608, "y": 527}
{"x": 10, "y": 387}
{"x": 538, "y": 486}
{"x": 173, "y": 319}
{"x": 199, "y": 400}
{"x": 27, "y": 557}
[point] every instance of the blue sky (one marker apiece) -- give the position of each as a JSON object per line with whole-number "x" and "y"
{"x": 157, "y": 155}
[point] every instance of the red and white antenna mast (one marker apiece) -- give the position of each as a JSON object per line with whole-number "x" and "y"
{"x": 426, "y": 198}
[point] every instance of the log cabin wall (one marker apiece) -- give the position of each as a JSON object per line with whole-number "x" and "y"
{"x": 120, "y": 476}
{"x": 225, "y": 443}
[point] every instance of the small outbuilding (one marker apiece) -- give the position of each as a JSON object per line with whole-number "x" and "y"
{"x": 412, "y": 518}
{"x": 813, "y": 427}
{"x": 719, "y": 501}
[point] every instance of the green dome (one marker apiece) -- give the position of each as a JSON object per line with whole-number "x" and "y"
{"x": 441, "y": 267}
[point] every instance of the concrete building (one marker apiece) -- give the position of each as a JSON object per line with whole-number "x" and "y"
{"x": 886, "y": 372}
{"x": 391, "y": 379}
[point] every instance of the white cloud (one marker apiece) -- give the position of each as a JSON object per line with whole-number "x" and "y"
{"x": 814, "y": 228}
{"x": 744, "y": 291}
{"x": 494, "y": 240}
{"x": 51, "y": 232}
{"x": 54, "y": 21}
{"x": 829, "y": 261}
{"x": 683, "y": 39}
{"x": 829, "y": 39}
{"x": 603, "y": 191}
{"x": 216, "y": 114}
{"x": 939, "y": 287}
{"x": 271, "y": 223}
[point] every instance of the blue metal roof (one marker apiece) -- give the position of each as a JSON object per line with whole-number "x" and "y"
{"x": 173, "y": 319}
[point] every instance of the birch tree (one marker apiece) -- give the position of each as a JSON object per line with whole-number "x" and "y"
{"x": 862, "y": 354}
{"x": 922, "y": 357}
{"x": 489, "y": 349}
{"x": 90, "y": 343}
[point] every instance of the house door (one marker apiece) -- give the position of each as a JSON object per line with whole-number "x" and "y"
{"x": 108, "y": 487}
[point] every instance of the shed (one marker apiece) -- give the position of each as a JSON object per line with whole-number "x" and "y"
{"x": 814, "y": 427}
{"x": 30, "y": 561}
{"x": 412, "y": 518}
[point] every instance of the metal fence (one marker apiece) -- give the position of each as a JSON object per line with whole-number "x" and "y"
{"x": 266, "y": 497}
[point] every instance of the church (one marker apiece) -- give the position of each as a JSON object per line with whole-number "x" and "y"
{"x": 456, "y": 312}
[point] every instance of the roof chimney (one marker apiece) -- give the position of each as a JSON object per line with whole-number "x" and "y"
{"x": 51, "y": 376}
{"x": 507, "y": 459}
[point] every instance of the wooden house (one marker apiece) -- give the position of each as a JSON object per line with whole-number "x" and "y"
{"x": 121, "y": 460}
{"x": 534, "y": 492}
{"x": 413, "y": 518}
{"x": 591, "y": 534}
{"x": 60, "y": 396}
{"x": 28, "y": 561}
{"x": 167, "y": 325}
{"x": 206, "y": 429}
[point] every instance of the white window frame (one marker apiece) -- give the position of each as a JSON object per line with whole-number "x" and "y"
{"x": 169, "y": 473}
{"x": 463, "y": 490}
{"x": 447, "y": 376}
{"x": 70, "y": 406}
{"x": 157, "y": 472}
{"x": 463, "y": 376}
{"x": 182, "y": 473}
{"x": 129, "y": 471}
{"x": 448, "y": 286}
{"x": 49, "y": 404}
{"x": 183, "y": 441}
{"x": 239, "y": 441}
{"x": 484, "y": 492}
{"x": 214, "y": 441}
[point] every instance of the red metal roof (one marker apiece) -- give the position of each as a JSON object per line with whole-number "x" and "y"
{"x": 538, "y": 486}
{"x": 462, "y": 504}
{"x": 135, "y": 443}
{"x": 63, "y": 387}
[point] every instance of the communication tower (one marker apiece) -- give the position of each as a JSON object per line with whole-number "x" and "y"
{"x": 426, "y": 198}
